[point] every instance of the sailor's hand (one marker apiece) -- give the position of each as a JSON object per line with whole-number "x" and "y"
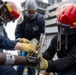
{"x": 30, "y": 48}
{"x": 41, "y": 63}
{"x": 34, "y": 40}
{"x": 23, "y": 40}
{"x": 32, "y": 61}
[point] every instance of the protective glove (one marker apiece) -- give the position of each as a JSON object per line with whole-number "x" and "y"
{"x": 43, "y": 63}
{"x": 31, "y": 62}
{"x": 30, "y": 48}
{"x": 23, "y": 40}
{"x": 34, "y": 41}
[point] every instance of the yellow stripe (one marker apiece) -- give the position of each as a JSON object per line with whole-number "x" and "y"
{"x": 8, "y": 7}
{"x": 74, "y": 23}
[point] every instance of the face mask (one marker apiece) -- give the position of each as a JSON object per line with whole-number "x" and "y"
{"x": 62, "y": 30}
{"x": 31, "y": 16}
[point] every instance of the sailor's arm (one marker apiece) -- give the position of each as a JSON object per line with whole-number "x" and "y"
{"x": 9, "y": 59}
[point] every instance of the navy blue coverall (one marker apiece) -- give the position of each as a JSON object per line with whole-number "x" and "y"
{"x": 6, "y": 43}
{"x": 30, "y": 29}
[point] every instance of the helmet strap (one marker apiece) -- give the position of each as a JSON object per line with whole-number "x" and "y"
{"x": 59, "y": 40}
{"x": 66, "y": 40}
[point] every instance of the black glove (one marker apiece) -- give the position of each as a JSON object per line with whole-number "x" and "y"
{"x": 32, "y": 61}
{"x": 37, "y": 63}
